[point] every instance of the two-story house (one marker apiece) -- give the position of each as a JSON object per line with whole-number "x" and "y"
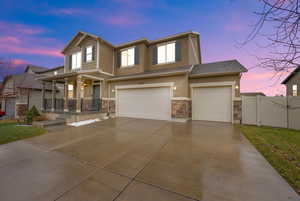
{"x": 154, "y": 79}
{"x": 292, "y": 83}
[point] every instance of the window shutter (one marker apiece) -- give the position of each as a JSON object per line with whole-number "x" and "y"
{"x": 118, "y": 59}
{"x": 154, "y": 55}
{"x": 136, "y": 55}
{"x": 84, "y": 54}
{"x": 93, "y": 52}
{"x": 178, "y": 51}
{"x": 70, "y": 62}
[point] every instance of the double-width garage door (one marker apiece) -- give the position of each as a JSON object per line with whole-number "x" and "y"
{"x": 212, "y": 104}
{"x": 147, "y": 103}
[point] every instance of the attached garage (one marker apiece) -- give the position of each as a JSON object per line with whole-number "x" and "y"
{"x": 212, "y": 103}
{"x": 152, "y": 101}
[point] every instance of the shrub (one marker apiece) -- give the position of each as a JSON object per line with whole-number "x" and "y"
{"x": 31, "y": 114}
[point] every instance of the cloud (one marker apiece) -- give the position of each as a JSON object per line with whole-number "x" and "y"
{"x": 235, "y": 23}
{"x": 6, "y": 27}
{"x": 27, "y": 40}
{"x": 18, "y": 62}
{"x": 67, "y": 11}
{"x": 123, "y": 19}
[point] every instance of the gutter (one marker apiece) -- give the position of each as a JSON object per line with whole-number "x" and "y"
{"x": 212, "y": 74}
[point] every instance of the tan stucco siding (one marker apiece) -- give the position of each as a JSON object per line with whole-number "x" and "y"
{"x": 180, "y": 82}
{"x": 184, "y": 56}
{"x": 106, "y": 58}
{"x": 88, "y": 41}
{"x": 289, "y": 85}
{"x": 193, "y": 51}
{"x": 225, "y": 78}
{"x": 139, "y": 68}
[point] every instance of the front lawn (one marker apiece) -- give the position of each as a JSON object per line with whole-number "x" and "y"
{"x": 11, "y": 132}
{"x": 281, "y": 147}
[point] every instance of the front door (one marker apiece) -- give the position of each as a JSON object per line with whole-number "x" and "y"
{"x": 96, "y": 97}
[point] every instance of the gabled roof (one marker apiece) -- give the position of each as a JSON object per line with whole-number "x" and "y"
{"x": 35, "y": 69}
{"x": 294, "y": 72}
{"x": 144, "y": 40}
{"x": 51, "y": 69}
{"x": 215, "y": 68}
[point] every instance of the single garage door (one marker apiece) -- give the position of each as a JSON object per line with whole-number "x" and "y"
{"x": 147, "y": 103}
{"x": 212, "y": 104}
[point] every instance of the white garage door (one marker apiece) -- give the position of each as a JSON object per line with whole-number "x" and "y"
{"x": 147, "y": 103}
{"x": 212, "y": 104}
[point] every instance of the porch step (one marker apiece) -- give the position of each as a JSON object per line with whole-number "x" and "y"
{"x": 43, "y": 124}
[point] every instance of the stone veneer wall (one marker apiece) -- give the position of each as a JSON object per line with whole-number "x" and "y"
{"x": 111, "y": 104}
{"x": 21, "y": 110}
{"x": 181, "y": 109}
{"x": 237, "y": 111}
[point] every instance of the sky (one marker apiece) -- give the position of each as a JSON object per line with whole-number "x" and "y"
{"x": 35, "y": 31}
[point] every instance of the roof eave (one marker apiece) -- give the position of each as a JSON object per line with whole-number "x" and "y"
{"x": 213, "y": 74}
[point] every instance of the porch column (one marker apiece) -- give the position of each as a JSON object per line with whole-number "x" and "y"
{"x": 53, "y": 95}
{"x": 43, "y": 96}
{"x": 66, "y": 96}
{"x": 78, "y": 94}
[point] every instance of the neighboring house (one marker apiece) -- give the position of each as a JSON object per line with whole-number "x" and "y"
{"x": 1, "y": 86}
{"x": 23, "y": 90}
{"x": 292, "y": 83}
{"x": 154, "y": 79}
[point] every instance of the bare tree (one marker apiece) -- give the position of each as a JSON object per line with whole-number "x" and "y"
{"x": 282, "y": 17}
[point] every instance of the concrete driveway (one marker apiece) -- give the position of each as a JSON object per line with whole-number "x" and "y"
{"x": 132, "y": 160}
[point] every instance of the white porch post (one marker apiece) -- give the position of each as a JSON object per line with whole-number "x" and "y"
{"x": 66, "y": 96}
{"x": 53, "y": 95}
{"x": 43, "y": 96}
{"x": 78, "y": 94}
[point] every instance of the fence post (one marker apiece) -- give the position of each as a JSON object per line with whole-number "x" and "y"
{"x": 287, "y": 112}
{"x": 258, "y": 122}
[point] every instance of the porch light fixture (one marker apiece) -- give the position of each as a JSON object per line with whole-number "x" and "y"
{"x": 236, "y": 86}
{"x": 113, "y": 90}
{"x": 174, "y": 88}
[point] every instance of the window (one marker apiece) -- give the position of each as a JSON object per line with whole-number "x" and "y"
{"x": 295, "y": 90}
{"x": 127, "y": 57}
{"x": 89, "y": 54}
{"x": 166, "y": 53}
{"x": 70, "y": 90}
{"x": 76, "y": 60}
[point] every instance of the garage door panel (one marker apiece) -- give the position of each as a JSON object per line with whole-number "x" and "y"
{"x": 148, "y": 103}
{"x": 212, "y": 104}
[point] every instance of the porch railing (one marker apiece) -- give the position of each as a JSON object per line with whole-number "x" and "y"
{"x": 86, "y": 105}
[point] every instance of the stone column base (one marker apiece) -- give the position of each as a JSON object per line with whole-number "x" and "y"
{"x": 181, "y": 109}
{"x": 237, "y": 111}
{"x": 108, "y": 106}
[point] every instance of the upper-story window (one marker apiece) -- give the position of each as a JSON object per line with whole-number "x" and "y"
{"x": 294, "y": 90}
{"x": 166, "y": 53}
{"x": 127, "y": 57}
{"x": 89, "y": 54}
{"x": 76, "y": 60}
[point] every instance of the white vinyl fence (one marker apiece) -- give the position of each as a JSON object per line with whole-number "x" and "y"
{"x": 271, "y": 111}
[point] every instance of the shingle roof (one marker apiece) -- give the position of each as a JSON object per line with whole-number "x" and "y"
{"x": 26, "y": 80}
{"x": 35, "y": 68}
{"x": 294, "y": 72}
{"x": 222, "y": 67}
{"x": 159, "y": 72}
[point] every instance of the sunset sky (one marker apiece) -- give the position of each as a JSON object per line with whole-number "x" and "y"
{"x": 33, "y": 31}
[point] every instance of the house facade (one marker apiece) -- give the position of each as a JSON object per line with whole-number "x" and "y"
{"x": 162, "y": 79}
{"x": 22, "y": 91}
{"x": 292, "y": 83}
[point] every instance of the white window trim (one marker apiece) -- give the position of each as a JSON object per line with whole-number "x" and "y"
{"x": 76, "y": 54}
{"x": 86, "y": 61}
{"x": 165, "y": 44}
{"x": 295, "y": 91}
{"x": 126, "y": 49}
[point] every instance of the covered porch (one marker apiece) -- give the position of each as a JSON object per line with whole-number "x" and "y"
{"x": 73, "y": 93}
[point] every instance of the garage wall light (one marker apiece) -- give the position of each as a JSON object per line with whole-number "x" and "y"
{"x": 113, "y": 90}
{"x": 174, "y": 88}
{"x": 236, "y": 86}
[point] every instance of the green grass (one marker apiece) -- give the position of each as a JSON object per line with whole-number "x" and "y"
{"x": 281, "y": 147}
{"x": 11, "y": 132}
